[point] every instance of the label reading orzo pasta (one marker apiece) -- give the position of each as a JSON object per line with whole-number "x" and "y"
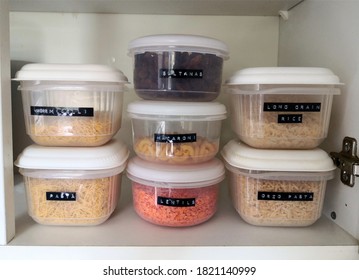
{"x": 286, "y": 196}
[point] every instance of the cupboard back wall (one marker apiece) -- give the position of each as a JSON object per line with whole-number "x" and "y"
{"x": 103, "y": 39}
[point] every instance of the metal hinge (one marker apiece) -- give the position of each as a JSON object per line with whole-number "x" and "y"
{"x": 347, "y": 161}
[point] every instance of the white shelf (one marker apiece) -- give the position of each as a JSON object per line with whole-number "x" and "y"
{"x": 167, "y": 7}
{"x": 126, "y": 235}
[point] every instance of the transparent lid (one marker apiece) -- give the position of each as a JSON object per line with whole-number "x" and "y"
{"x": 111, "y": 155}
{"x": 70, "y": 72}
{"x": 178, "y": 42}
{"x": 284, "y": 75}
{"x": 242, "y": 156}
{"x": 159, "y": 109}
{"x": 194, "y": 175}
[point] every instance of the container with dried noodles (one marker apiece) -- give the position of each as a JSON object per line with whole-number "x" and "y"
{"x": 72, "y": 185}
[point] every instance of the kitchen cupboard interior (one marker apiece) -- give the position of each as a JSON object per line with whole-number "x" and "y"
{"x": 307, "y": 33}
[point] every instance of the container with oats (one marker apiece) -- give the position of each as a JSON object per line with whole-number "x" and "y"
{"x": 72, "y": 186}
{"x": 71, "y": 104}
{"x": 277, "y": 187}
{"x": 175, "y": 195}
{"x": 176, "y": 132}
{"x": 282, "y": 107}
{"x": 178, "y": 67}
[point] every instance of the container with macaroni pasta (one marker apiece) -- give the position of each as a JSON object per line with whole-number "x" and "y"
{"x": 72, "y": 186}
{"x": 176, "y": 132}
{"x": 71, "y": 104}
{"x": 282, "y": 107}
{"x": 277, "y": 187}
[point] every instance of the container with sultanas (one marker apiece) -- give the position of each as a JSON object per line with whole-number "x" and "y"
{"x": 178, "y": 67}
{"x": 277, "y": 187}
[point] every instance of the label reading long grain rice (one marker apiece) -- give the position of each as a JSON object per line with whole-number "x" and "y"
{"x": 290, "y": 118}
{"x": 176, "y": 202}
{"x": 286, "y": 196}
{"x": 61, "y": 196}
{"x": 62, "y": 111}
{"x": 175, "y": 138}
{"x": 291, "y": 107}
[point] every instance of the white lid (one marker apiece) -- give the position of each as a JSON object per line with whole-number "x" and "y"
{"x": 70, "y": 72}
{"x": 180, "y": 42}
{"x": 159, "y": 109}
{"x": 111, "y": 155}
{"x": 242, "y": 156}
{"x": 284, "y": 75}
{"x": 194, "y": 175}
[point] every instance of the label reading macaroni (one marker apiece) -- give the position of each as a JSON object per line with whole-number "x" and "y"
{"x": 175, "y": 138}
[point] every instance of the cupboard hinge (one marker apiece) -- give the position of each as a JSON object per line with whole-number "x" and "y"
{"x": 347, "y": 161}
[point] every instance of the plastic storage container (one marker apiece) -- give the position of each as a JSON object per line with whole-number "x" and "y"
{"x": 176, "y": 196}
{"x": 282, "y": 107}
{"x": 176, "y": 132}
{"x": 178, "y": 67}
{"x": 72, "y": 186}
{"x": 71, "y": 104}
{"x": 277, "y": 187}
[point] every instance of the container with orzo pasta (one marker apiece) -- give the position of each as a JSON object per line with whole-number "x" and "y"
{"x": 282, "y": 107}
{"x": 277, "y": 187}
{"x": 71, "y": 104}
{"x": 73, "y": 186}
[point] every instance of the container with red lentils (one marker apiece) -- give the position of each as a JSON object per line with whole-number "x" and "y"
{"x": 175, "y": 195}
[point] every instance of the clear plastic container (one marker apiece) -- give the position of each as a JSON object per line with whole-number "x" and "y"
{"x": 172, "y": 195}
{"x": 178, "y": 67}
{"x": 72, "y": 186}
{"x": 282, "y": 107}
{"x": 277, "y": 187}
{"x": 71, "y": 104}
{"x": 176, "y": 132}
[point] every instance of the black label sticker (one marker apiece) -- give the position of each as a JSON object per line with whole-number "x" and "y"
{"x": 291, "y": 107}
{"x": 286, "y": 196}
{"x": 176, "y": 202}
{"x": 175, "y": 138}
{"x": 61, "y": 196}
{"x": 62, "y": 111}
{"x": 292, "y": 118}
{"x": 181, "y": 73}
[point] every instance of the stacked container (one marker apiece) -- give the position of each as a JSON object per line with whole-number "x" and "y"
{"x": 280, "y": 115}
{"x": 176, "y": 128}
{"x": 73, "y": 171}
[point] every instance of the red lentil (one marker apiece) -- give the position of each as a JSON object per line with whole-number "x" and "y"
{"x": 175, "y": 207}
